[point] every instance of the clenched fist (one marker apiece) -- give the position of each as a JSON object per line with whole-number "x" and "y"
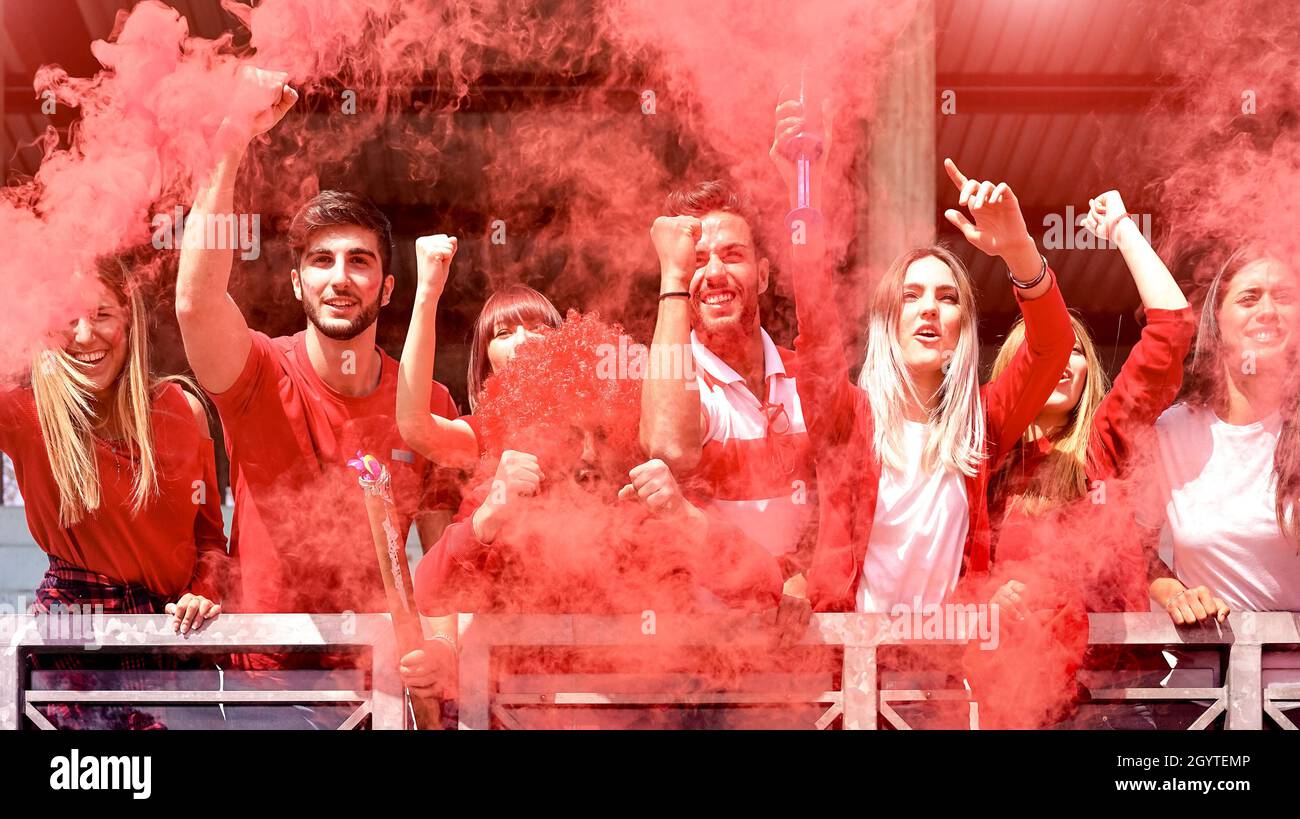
{"x": 1104, "y": 213}
{"x": 654, "y": 485}
{"x": 433, "y": 255}
{"x": 675, "y": 238}
{"x": 261, "y": 100}
{"x": 430, "y": 671}
{"x": 518, "y": 475}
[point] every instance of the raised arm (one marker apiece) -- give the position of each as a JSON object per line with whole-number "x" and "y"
{"x": 443, "y": 441}
{"x": 1109, "y": 219}
{"x": 1153, "y": 372}
{"x": 671, "y": 426}
{"x": 998, "y": 228}
{"x": 453, "y": 575}
{"x": 825, "y": 393}
{"x": 214, "y": 331}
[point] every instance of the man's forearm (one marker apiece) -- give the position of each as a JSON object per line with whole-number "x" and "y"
{"x": 213, "y": 329}
{"x": 204, "y": 274}
{"x": 670, "y": 402}
{"x": 415, "y": 373}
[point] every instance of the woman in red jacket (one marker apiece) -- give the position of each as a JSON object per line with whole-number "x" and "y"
{"x": 1056, "y": 478}
{"x": 1065, "y": 540}
{"x": 904, "y": 459}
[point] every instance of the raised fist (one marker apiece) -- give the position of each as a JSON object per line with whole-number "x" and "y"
{"x": 261, "y": 100}
{"x": 674, "y": 239}
{"x": 1104, "y": 213}
{"x": 433, "y": 255}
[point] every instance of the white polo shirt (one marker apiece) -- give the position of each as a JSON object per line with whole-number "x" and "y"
{"x": 759, "y": 471}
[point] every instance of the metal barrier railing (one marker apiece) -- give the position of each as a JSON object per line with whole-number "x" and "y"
{"x": 858, "y": 701}
{"x": 85, "y": 633}
{"x": 853, "y": 696}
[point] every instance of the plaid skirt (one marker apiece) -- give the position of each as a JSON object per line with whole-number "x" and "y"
{"x": 65, "y": 586}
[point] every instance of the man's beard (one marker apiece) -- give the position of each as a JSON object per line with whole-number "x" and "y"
{"x": 339, "y": 331}
{"x": 727, "y": 333}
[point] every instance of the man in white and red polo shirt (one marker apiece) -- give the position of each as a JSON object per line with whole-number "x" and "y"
{"x": 734, "y": 424}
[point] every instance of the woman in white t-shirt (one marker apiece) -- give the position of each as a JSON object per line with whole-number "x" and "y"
{"x": 1228, "y": 471}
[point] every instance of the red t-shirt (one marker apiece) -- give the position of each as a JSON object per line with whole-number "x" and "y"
{"x": 176, "y": 544}
{"x": 301, "y": 539}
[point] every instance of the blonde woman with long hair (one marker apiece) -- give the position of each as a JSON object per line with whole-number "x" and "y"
{"x": 116, "y": 468}
{"x": 904, "y": 459}
{"x": 1054, "y": 496}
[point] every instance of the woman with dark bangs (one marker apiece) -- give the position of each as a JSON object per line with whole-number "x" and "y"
{"x": 1228, "y": 467}
{"x": 510, "y": 317}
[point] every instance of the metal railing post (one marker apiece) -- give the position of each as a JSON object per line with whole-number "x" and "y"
{"x": 388, "y": 695}
{"x": 473, "y": 690}
{"x": 10, "y": 688}
{"x": 861, "y": 688}
{"x": 1244, "y": 681}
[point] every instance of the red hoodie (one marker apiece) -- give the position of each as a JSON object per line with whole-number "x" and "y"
{"x": 840, "y": 425}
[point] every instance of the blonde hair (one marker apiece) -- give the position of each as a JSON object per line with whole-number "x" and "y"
{"x": 65, "y": 410}
{"x": 957, "y": 420}
{"x": 1064, "y": 475}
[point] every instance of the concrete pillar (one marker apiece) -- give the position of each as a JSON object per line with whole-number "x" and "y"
{"x": 901, "y": 165}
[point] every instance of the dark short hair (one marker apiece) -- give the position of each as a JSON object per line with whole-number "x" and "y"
{"x": 707, "y": 197}
{"x": 329, "y": 208}
{"x": 715, "y": 195}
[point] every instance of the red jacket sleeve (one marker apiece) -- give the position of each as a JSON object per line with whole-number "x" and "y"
{"x": 452, "y": 576}
{"x": 1013, "y": 400}
{"x": 1146, "y": 386}
{"x": 825, "y": 393}
{"x": 211, "y": 566}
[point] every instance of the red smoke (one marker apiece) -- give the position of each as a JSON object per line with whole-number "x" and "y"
{"x": 577, "y": 176}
